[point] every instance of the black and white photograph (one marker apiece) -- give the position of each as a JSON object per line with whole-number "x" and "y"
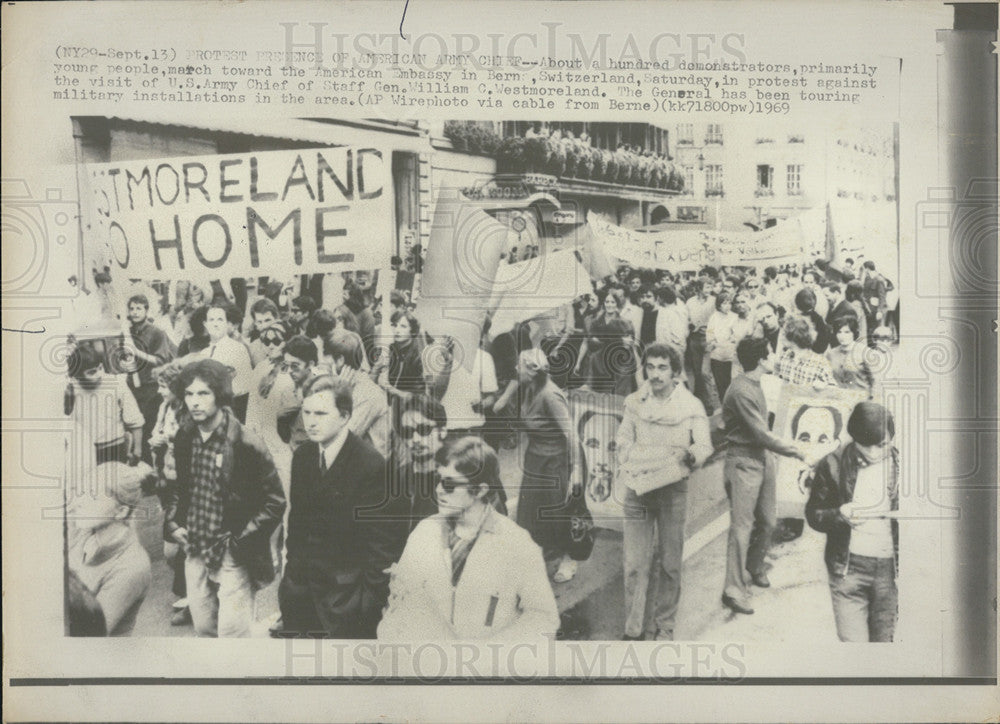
{"x": 508, "y": 361}
{"x": 564, "y": 343}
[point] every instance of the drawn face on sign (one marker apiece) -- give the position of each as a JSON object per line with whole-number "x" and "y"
{"x": 817, "y": 428}
{"x": 596, "y": 431}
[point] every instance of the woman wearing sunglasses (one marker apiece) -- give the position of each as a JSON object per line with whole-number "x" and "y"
{"x": 469, "y": 572}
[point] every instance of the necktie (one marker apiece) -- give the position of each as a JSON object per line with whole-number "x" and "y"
{"x": 322, "y": 464}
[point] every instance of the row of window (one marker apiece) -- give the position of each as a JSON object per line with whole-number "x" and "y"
{"x": 685, "y": 133}
{"x": 713, "y": 135}
{"x": 766, "y": 181}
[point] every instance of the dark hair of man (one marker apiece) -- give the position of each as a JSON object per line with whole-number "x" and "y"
{"x": 197, "y": 321}
{"x": 771, "y": 272}
{"x": 805, "y": 300}
{"x": 750, "y": 351}
{"x": 854, "y": 291}
{"x": 834, "y": 287}
{"x": 870, "y": 424}
{"x": 709, "y": 271}
{"x": 321, "y": 323}
{"x": 429, "y": 408}
{"x": 342, "y": 398}
{"x": 84, "y": 357}
{"x": 301, "y": 347}
{"x": 849, "y": 321}
{"x": 397, "y": 298}
{"x": 102, "y": 278}
{"x": 413, "y": 321}
{"x": 264, "y": 306}
{"x": 800, "y": 332}
{"x": 477, "y": 461}
{"x": 343, "y": 344}
{"x": 660, "y": 350}
{"x": 139, "y": 299}
{"x": 305, "y": 303}
{"x": 233, "y": 315}
{"x": 667, "y": 294}
{"x": 216, "y": 376}
{"x": 849, "y": 260}
{"x": 355, "y": 300}
{"x": 869, "y": 265}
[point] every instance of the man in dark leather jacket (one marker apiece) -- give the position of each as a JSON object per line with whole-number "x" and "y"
{"x": 227, "y": 501}
{"x": 854, "y": 498}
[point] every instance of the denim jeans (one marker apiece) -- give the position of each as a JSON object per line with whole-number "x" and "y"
{"x": 660, "y": 513}
{"x": 865, "y": 599}
{"x": 221, "y": 602}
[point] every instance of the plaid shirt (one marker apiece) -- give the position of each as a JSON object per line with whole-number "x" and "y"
{"x": 206, "y": 536}
{"x": 804, "y": 367}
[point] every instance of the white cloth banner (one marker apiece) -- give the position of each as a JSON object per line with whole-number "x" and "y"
{"x": 301, "y": 211}
{"x": 691, "y": 249}
{"x": 529, "y": 288}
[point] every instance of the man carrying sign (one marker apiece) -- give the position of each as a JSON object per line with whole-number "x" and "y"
{"x": 664, "y": 435}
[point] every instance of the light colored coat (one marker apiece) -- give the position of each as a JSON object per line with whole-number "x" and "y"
{"x": 504, "y": 592}
{"x": 655, "y": 435}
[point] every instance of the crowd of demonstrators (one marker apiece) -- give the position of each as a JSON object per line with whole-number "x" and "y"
{"x": 288, "y": 442}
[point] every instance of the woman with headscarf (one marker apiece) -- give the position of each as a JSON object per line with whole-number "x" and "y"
{"x": 854, "y": 500}
{"x": 104, "y": 549}
{"x": 492, "y": 584}
{"x": 550, "y": 460}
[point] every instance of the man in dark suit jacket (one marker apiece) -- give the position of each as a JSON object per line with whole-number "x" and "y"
{"x": 335, "y": 584}
{"x": 839, "y": 306}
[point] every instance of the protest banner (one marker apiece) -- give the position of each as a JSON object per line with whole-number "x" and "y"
{"x": 528, "y": 288}
{"x": 596, "y": 418}
{"x": 463, "y": 255}
{"x": 691, "y": 249}
{"x": 817, "y": 421}
{"x": 315, "y": 210}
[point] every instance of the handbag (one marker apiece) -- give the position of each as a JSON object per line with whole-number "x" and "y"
{"x": 579, "y": 527}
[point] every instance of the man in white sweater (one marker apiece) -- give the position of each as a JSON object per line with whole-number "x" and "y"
{"x": 664, "y": 435}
